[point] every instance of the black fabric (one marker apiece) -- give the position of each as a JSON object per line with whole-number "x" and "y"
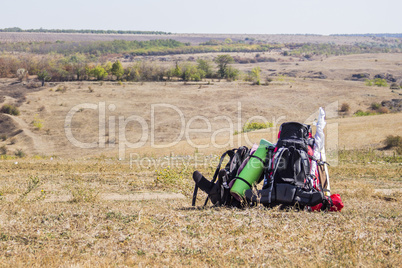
{"x": 218, "y": 188}
{"x": 294, "y": 131}
{"x": 327, "y": 203}
{"x": 294, "y": 164}
{"x": 202, "y": 183}
{"x": 287, "y": 180}
{"x": 293, "y": 167}
{"x": 287, "y": 194}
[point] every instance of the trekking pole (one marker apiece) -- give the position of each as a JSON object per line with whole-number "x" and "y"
{"x": 327, "y": 190}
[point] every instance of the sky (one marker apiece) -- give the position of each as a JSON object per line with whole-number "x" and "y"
{"x": 208, "y": 16}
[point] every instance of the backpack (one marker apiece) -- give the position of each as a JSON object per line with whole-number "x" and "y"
{"x": 218, "y": 189}
{"x": 287, "y": 179}
{"x": 291, "y": 162}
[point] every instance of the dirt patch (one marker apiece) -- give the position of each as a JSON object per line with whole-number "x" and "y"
{"x": 8, "y": 126}
{"x": 16, "y": 91}
{"x": 388, "y": 191}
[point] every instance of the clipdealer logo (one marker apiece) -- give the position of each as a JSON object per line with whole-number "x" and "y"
{"x": 116, "y": 127}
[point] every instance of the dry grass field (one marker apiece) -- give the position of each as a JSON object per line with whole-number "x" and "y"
{"x": 97, "y": 213}
{"x": 62, "y": 205}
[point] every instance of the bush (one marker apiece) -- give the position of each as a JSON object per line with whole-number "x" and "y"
{"x": 3, "y": 150}
{"x": 394, "y": 142}
{"x": 61, "y": 88}
{"x": 394, "y": 86}
{"x": 368, "y": 82}
{"x": 37, "y": 122}
{"x": 375, "y": 106}
{"x": 383, "y": 110}
{"x": 268, "y": 80}
{"x": 361, "y": 113}
{"x": 256, "y": 125}
{"x": 376, "y": 82}
{"x": 10, "y": 109}
{"x": 20, "y": 153}
{"x": 232, "y": 73}
{"x": 345, "y": 108}
{"x": 380, "y": 82}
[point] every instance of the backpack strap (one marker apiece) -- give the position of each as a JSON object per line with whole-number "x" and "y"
{"x": 243, "y": 180}
{"x": 277, "y": 158}
{"x": 194, "y": 195}
{"x": 262, "y": 161}
{"x": 305, "y": 162}
{"x": 231, "y": 154}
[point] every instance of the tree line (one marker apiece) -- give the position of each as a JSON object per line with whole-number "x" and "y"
{"x": 310, "y": 49}
{"x": 393, "y": 35}
{"x": 41, "y": 30}
{"x": 78, "y": 67}
{"x": 130, "y": 48}
{"x": 91, "y": 47}
{"x": 159, "y": 47}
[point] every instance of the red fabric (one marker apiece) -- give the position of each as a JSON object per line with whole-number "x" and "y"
{"x": 317, "y": 207}
{"x": 310, "y": 151}
{"x": 336, "y": 201}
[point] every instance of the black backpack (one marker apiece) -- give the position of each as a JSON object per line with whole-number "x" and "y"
{"x": 287, "y": 178}
{"x": 218, "y": 189}
{"x": 291, "y": 162}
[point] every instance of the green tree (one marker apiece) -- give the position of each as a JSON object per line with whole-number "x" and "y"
{"x": 88, "y": 71}
{"x": 256, "y": 74}
{"x": 191, "y": 72}
{"x": 108, "y": 67}
{"x": 43, "y": 76}
{"x": 231, "y": 73}
{"x": 177, "y": 70}
{"x": 169, "y": 73}
{"x": 223, "y": 61}
{"x": 77, "y": 63}
{"x": 205, "y": 66}
{"x": 99, "y": 72}
{"x": 117, "y": 69}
